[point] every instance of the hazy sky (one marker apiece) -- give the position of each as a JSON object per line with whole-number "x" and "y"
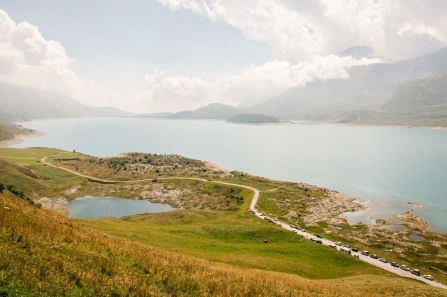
{"x": 150, "y": 56}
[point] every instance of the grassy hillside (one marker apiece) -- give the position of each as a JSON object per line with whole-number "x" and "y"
{"x": 43, "y": 254}
{"x": 8, "y": 130}
{"x": 191, "y": 252}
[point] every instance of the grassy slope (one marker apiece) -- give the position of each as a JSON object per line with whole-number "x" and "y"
{"x": 228, "y": 237}
{"x": 23, "y": 168}
{"x": 236, "y": 239}
{"x": 8, "y": 130}
{"x": 45, "y": 254}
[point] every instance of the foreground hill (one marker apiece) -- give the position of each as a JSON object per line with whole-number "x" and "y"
{"x": 24, "y": 103}
{"x": 46, "y": 254}
{"x": 215, "y": 247}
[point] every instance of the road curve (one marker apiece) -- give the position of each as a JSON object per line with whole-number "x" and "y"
{"x": 367, "y": 259}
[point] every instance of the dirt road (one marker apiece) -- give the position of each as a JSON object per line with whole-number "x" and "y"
{"x": 367, "y": 259}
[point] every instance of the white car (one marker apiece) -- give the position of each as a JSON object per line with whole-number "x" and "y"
{"x": 428, "y": 276}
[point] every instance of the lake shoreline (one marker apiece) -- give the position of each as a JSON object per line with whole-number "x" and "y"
{"x": 17, "y": 139}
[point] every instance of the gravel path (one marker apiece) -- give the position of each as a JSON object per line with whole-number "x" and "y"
{"x": 367, "y": 259}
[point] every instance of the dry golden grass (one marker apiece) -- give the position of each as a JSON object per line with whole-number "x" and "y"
{"x": 42, "y": 253}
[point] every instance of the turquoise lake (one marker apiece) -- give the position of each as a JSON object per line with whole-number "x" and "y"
{"x": 94, "y": 207}
{"x": 377, "y": 163}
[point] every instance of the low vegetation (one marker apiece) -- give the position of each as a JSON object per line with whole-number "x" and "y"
{"x": 8, "y": 130}
{"x": 42, "y": 253}
{"x": 212, "y": 247}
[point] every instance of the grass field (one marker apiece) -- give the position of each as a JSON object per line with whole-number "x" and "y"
{"x": 43, "y": 254}
{"x": 237, "y": 239}
{"x": 183, "y": 252}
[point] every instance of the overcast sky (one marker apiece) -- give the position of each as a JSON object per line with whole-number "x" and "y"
{"x": 171, "y": 55}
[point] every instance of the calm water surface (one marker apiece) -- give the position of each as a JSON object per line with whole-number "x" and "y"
{"x": 94, "y": 207}
{"x": 378, "y": 163}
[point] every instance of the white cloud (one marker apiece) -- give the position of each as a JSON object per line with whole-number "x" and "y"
{"x": 304, "y": 36}
{"x": 298, "y": 30}
{"x": 175, "y": 93}
{"x": 28, "y": 59}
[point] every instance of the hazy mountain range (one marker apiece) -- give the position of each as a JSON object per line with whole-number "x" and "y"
{"x": 368, "y": 87}
{"x": 408, "y": 92}
{"x": 24, "y": 103}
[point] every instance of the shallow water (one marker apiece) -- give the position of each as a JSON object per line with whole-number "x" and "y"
{"x": 394, "y": 227}
{"x": 94, "y": 207}
{"x": 416, "y": 237}
{"x": 377, "y": 163}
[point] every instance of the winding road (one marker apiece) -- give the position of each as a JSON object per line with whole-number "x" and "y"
{"x": 367, "y": 259}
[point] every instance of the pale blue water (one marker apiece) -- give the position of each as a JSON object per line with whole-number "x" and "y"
{"x": 94, "y": 207}
{"x": 380, "y": 163}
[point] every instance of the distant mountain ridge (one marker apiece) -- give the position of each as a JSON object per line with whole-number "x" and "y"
{"x": 368, "y": 86}
{"x": 23, "y": 103}
{"x": 215, "y": 111}
{"x": 419, "y": 102}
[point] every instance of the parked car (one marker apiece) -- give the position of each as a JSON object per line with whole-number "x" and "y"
{"x": 304, "y": 230}
{"x": 373, "y": 256}
{"x": 312, "y": 238}
{"x": 416, "y": 272}
{"x": 338, "y": 243}
{"x": 252, "y": 211}
{"x": 319, "y": 236}
{"x": 275, "y": 219}
{"x": 279, "y": 224}
{"x": 394, "y": 264}
{"x": 295, "y": 231}
{"x": 428, "y": 276}
{"x": 333, "y": 246}
{"x": 262, "y": 214}
{"x": 318, "y": 241}
{"x": 364, "y": 253}
{"x": 297, "y": 228}
{"x": 383, "y": 260}
{"x": 343, "y": 249}
{"x": 355, "y": 250}
{"x": 292, "y": 226}
{"x": 347, "y": 246}
{"x": 357, "y": 256}
{"x": 403, "y": 267}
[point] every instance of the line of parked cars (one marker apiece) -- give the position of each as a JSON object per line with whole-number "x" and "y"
{"x": 347, "y": 249}
{"x": 394, "y": 264}
{"x": 274, "y": 221}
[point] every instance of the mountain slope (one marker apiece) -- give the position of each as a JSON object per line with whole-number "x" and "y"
{"x": 420, "y": 102}
{"x": 367, "y": 86}
{"x": 23, "y": 103}
{"x": 215, "y": 111}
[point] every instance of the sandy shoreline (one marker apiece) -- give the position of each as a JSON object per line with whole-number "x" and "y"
{"x": 16, "y": 139}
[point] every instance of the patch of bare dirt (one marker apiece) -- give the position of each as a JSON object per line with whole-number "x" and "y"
{"x": 58, "y": 205}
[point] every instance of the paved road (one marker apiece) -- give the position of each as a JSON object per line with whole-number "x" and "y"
{"x": 367, "y": 259}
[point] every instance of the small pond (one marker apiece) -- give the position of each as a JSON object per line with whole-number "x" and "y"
{"x": 416, "y": 237}
{"x": 94, "y": 207}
